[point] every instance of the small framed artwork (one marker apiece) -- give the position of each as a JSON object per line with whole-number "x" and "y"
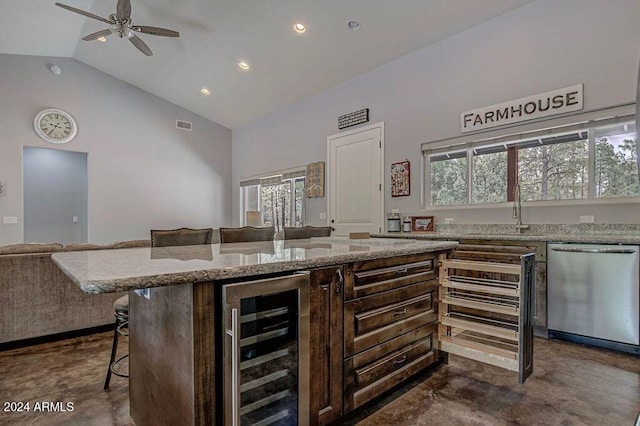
{"x": 422, "y": 223}
{"x": 315, "y": 180}
{"x": 401, "y": 179}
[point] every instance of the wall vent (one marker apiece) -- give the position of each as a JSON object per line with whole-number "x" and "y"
{"x": 184, "y": 125}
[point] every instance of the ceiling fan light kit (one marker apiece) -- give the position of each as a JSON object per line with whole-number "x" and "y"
{"x": 120, "y": 23}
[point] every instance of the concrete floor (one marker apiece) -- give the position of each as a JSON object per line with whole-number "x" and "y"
{"x": 571, "y": 385}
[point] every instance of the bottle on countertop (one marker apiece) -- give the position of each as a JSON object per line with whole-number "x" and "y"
{"x": 393, "y": 222}
{"x": 406, "y": 224}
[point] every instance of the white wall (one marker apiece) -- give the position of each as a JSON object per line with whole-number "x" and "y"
{"x": 542, "y": 46}
{"x": 143, "y": 172}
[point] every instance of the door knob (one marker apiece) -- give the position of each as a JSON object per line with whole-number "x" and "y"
{"x": 333, "y": 221}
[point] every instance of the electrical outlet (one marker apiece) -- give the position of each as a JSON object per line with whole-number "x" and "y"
{"x": 587, "y": 219}
{"x": 448, "y": 220}
{"x": 9, "y": 220}
{"x": 323, "y": 216}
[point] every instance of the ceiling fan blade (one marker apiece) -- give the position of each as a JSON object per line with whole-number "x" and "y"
{"x": 82, "y": 12}
{"x": 141, "y": 45}
{"x": 97, "y": 35}
{"x": 123, "y": 10}
{"x": 156, "y": 31}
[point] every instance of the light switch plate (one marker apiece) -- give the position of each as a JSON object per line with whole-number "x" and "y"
{"x": 448, "y": 220}
{"x": 587, "y": 219}
{"x": 323, "y": 216}
{"x": 75, "y": 219}
{"x": 9, "y": 220}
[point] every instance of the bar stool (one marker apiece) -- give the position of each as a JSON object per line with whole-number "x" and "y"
{"x": 121, "y": 310}
{"x": 300, "y": 232}
{"x": 159, "y": 238}
{"x": 246, "y": 234}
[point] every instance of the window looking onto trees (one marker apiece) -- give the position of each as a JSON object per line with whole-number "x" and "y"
{"x": 449, "y": 179}
{"x": 280, "y": 202}
{"x": 552, "y": 167}
{"x": 616, "y": 157}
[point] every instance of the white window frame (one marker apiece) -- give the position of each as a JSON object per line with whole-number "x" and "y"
{"x": 292, "y": 201}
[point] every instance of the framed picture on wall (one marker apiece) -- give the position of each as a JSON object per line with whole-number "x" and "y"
{"x": 401, "y": 179}
{"x": 422, "y": 223}
{"x": 315, "y": 180}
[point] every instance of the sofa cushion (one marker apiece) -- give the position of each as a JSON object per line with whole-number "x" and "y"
{"x": 130, "y": 244}
{"x": 28, "y": 248}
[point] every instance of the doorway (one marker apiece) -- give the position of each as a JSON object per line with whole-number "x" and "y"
{"x": 356, "y": 201}
{"x": 55, "y": 196}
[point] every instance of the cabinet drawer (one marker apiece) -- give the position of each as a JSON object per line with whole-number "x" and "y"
{"x": 378, "y": 369}
{"x": 372, "y": 320}
{"x": 367, "y": 321}
{"x": 375, "y": 276}
{"x": 405, "y": 356}
{"x": 388, "y": 332}
{"x": 400, "y": 295}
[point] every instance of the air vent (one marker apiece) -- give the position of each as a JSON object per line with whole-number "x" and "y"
{"x": 184, "y": 125}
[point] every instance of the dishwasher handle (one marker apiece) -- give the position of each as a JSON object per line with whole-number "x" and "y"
{"x": 594, "y": 250}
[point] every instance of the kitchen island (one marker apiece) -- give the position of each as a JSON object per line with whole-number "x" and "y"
{"x": 176, "y": 330}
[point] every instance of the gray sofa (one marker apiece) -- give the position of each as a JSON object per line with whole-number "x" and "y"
{"x": 37, "y": 299}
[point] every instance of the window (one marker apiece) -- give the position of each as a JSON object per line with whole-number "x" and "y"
{"x": 274, "y": 201}
{"x": 489, "y": 175}
{"x": 616, "y": 157}
{"x": 574, "y": 162}
{"x": 553, "y": 168}
{"x": 449, "y": 179}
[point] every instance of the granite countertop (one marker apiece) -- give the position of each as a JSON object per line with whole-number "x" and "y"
{"x": 551, "y": 237}
{"x": 109, "y": 271}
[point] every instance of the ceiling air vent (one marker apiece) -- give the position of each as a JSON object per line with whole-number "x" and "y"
{"x": 184, "y": 125}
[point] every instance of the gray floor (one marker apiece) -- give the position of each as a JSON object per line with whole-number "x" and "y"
{"x": 571, "y": 385}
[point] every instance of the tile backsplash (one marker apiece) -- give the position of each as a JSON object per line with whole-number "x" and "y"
{"x": 583, "y": 228}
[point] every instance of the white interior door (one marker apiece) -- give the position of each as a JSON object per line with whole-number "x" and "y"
{"x": 355, "y": 180}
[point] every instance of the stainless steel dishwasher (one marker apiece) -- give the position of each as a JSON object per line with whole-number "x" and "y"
{"x": 593, "y": 294}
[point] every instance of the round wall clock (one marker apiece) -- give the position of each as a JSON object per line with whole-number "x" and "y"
{"x": 55, "y": 126}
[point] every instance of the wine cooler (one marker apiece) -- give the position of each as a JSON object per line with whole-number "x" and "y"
{"x": 266, "y": 352}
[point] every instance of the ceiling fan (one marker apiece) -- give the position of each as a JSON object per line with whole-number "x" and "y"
{"x": 122, "y": 26}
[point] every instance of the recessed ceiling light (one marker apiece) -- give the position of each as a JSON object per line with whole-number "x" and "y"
{"x": 243, "y": 65}
{"x": 299, "y": 28}
{"x": 354, "y": 25}
{"x": 102, "y": 39}
{"x": 205, "y": 91}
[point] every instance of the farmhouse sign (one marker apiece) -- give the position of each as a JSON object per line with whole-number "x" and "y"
{"x": 555, "y": 102}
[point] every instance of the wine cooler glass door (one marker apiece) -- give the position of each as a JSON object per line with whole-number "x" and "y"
{"x": 266, "y": 365}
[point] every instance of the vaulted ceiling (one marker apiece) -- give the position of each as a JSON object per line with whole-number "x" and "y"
{"x": 215, "y": 35}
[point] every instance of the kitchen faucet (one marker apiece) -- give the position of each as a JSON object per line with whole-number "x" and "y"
{"x": 517, "y": 208}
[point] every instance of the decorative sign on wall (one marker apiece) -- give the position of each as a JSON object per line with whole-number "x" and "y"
{"x": 353, "y": 118}
{"x": 422, "y": 223}
{"x": 401, "y": 179}
{"x": 559, "y": 101}
{"x": 315, "y": 180}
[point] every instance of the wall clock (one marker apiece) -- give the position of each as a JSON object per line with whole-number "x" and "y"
{"x": 55, "y": 126}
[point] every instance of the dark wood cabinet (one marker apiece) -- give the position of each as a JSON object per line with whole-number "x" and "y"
{"x": 327, "y": 287}
{"x": 390, "y": 324}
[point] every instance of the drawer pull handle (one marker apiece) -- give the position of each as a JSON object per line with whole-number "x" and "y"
{"x": 401, "y": 271}
{"x": 340, "y": 282}
{"x": 400, "y": 361}
{"x": 402, "y": 312}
